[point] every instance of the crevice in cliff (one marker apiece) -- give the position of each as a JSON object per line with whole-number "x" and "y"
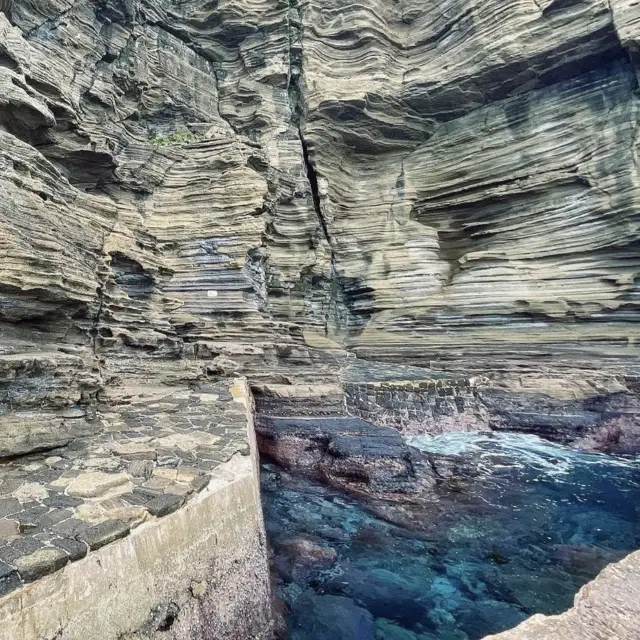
{"x": 295, "y": 102}
{"x": 631, "y": 55}
{"x": 312, "y": 178}
{"x": 95, "y": 325}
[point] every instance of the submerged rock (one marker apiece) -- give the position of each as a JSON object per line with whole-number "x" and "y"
{"x": 607, "y": 607}
{"x": 525, "y": 532}
{"x": 330, "y": 618}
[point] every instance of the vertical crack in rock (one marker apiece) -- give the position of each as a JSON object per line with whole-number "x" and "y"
{"x": 95, "y": 326}
{"x": 296, "y": 100}
{"x": 312, "y": 177}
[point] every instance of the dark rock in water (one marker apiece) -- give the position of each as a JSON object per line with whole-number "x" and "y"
{"x": 349, "y": 453}
{"x": 385, "y": 593}
{"x": 300, "y": 557}
{"x": 305, "y": 551}
{"x": 489, "y": 616}
{"x": 585, "y": 559}
{"x": 330, "y": 618}
{"x": 607, "y": 423}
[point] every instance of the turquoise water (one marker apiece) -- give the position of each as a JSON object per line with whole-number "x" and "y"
{"x": 532, "y": 524}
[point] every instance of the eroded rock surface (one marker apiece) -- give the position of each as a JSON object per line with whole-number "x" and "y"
{"x": 193, "y": 191}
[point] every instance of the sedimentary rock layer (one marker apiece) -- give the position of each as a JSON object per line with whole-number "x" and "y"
{"x": 196, "y": 191}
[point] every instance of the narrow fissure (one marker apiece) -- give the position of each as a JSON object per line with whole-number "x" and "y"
{"x": 295, "y": 99}
{"x": 312, "y": 177}
{"x": 95, "y": 327}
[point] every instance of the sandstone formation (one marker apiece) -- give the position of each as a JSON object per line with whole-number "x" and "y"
{"x": 194, "y": 191}
{"x": 421, "y": 215}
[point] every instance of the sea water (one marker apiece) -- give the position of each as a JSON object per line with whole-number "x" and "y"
{"x": 533, "y": 525}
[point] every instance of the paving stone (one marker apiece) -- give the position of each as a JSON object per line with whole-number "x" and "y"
{"x": 136, "y": 499}
{"x": 28, "y": 491}
{"x": 200, "y": 483}
{"x": 29, "y": 519}
{"x": 103, "y": 464}
{"x": 141, "y": 468}
{"x": 8, "y": 528}
{"x": 9, "y": 579}
{"x": 60, "y": 500}
{"x": 41, "y": 563}
{"x": 70, "y": 528}
{"x": 9, "y": 555}
{"x": 164, "y": 504}
{"x": 76, "y": 549}
{"x": 26, "y": 545}
{"x": 97, "y": 483}
{"x": 10, "y": 484}
{"x": 135, "y": 451}
{"x": 54, "y": 517}
{"x": 9, "y": 506}
{"x": 104, "y": 533}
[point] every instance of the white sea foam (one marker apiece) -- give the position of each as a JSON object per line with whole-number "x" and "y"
{"x": 517, "y": 450}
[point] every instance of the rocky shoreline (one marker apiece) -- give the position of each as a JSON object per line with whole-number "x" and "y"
{"x": 454, "y": 563}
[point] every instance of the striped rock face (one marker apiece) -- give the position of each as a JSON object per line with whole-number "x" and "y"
{"x": 194, "y": 191}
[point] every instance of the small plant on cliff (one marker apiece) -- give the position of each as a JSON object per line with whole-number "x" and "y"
{"x": 175, "y": 139}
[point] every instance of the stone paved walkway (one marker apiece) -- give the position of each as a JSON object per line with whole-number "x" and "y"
{"x": 154, "y": 453}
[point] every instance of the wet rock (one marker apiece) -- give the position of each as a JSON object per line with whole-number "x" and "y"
{"x": 385, "y": 593}
{"x": 330, "y": 618}
{"x": 348, "y": 452}
{"x": 585, "y": 560}
{"x": 387, "y": 630}
{"x": 489, "y": 616}
{"x": 305, "y": 551}
{"x": 605, "y": 608}
{"x": 299, "y": 558}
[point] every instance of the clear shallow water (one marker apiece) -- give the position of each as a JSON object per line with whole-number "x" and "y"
{"x": 521, "y": 537}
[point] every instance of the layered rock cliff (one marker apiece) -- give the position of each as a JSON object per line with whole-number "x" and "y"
{"x": 196, "y": 189}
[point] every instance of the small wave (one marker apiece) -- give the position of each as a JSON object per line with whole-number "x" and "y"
{"x": 516, "y": 450}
